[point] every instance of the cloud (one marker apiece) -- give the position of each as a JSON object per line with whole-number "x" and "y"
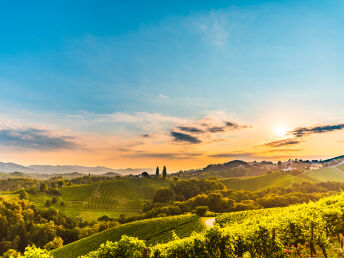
{"x": 33, "y": 138}
{"x": 203, "y": 129}
{"x": 232, "y": 155}
{"x": 298, "y": 134}
{"x": 165, "y": 155}
{"x": 305, "y": 131}
{"x": 152, "y": 122}
{"x": 282, "y": 150}
{"x": 283, "y": 142}
{"x": 186, "y": 138}
{"x": 216, "y": 129}
{"x": 190, "y": 129}
{"x": 164, "y": 96}
{"x": 213, "y": 28}
{"x": 233, "y": 125}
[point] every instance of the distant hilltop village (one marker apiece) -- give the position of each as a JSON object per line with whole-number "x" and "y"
{"x": 238, "y": 168}
{"x": 295, "y": 164}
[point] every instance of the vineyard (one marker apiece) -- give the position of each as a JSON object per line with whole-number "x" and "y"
{"x": 111, "y": 198}
{"x": 270, "y": 180}
{"x": 154, "y": 231}
{"x": 327, "y": 174}
{"x": 115, "y": 194}
{"x": 313, "y": 229}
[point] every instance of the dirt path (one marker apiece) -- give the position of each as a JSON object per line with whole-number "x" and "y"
{"x": 209, "y": 222}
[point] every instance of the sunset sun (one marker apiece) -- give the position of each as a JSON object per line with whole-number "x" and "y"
{"x": 280, "y": 130}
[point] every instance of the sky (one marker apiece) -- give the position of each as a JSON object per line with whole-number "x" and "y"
{"x": 176, "y": 83}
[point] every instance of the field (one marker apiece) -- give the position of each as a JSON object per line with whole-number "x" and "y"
{"x": 283, "y": 179}
{"x": 302, "y": 230}
{"x": 111, "y": 198}
{"x": 327, "y": 174}
{"x": 307, "y": 230}
{"x": 341, "y": 167}
{"x": 154, "y": 231}
{"x": 269, "y": 180}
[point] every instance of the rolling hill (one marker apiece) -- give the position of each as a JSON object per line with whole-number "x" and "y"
{"x": 265, "y": 181}
{"x": 327, "y": 174}
{"x": 111, "y": 198}
{"x": 158, "y": 230}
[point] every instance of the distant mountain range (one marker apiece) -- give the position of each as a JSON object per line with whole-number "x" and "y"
{"x": 63, "y": 169}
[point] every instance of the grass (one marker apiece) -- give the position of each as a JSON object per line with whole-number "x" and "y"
{"x": 341, "y": 167}
{"x": 154, "y": 231}
{"x": 115, "y": 194}
{"x": 326, "y": 174}
{"x": 111, "y": 198}
{"x": 260, "y": 182}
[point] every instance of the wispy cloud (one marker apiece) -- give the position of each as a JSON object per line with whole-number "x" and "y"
{"x": 190, "y": 129}
{"x": 164, "y": 96}
{"x": 299, "y": 134}
{"x": 233, "y": 155}
{"x": 305, "y": 131}
{"x": 33, "y": 138}
{"x": 184, "y": 138}
{"x": 283, "y": 142}
{"x": 204, "y": 129}
{"x": 165, "y": 155}
{"x": 213, "y": 28}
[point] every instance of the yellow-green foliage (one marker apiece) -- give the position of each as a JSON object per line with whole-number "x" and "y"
{"x": 115, "y": 194}
{"x": 334, "y": 174}
{"x": 264, "y": 233}
{"x": 265, "y": 181}
{"x": 341, "y": 167}
{"x": 158, "y": 230}
{"x": 307, "y": 228}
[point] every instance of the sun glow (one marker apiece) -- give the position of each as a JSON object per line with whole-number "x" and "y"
{"x": 280, "y": 130}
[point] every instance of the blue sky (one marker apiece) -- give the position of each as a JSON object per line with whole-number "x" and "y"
{"x": 91, "y": 69}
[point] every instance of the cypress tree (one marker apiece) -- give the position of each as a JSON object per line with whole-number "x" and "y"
{"x": 164, "y": 172}
{"x": 157, "y": 172}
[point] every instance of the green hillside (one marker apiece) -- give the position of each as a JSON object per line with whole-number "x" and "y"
{"x": 341, "y": 167}
{"x": 116, "y": 194}
{"x": 158, "y": 230}
{"x": 327, "y": 174}
{"x": 111, "y": 198}
{"x": 268, "y": 180}
{"x": 304, "y": 230}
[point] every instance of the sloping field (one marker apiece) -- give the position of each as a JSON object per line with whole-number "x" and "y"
{"x": 260, "y": 182}
{"x": 326, "y": 174}
{"x": 116, "y": 194}
{"x": 341, "y": 167}
{"x": 158, "y": 230}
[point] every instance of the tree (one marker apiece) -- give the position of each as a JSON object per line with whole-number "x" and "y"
{"x": 164, "y": 195}
{"x": 61, "y": 183}
{"x": 23, "y": 195}
{"x": 164, "y": 172}
{"x": 145, "y": 174}
{"x": 54, "y": 200}
{"x": 55, "y": 243}
{"x": 47, "y": 203}
{"x": 201, "y": 210}
{"x": 157, "y": 172}
{"x": 43, "y": 188}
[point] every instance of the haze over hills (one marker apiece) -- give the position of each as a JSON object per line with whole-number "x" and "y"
{"x": 63, "y": 169}
{"x": 245, "y": 168}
